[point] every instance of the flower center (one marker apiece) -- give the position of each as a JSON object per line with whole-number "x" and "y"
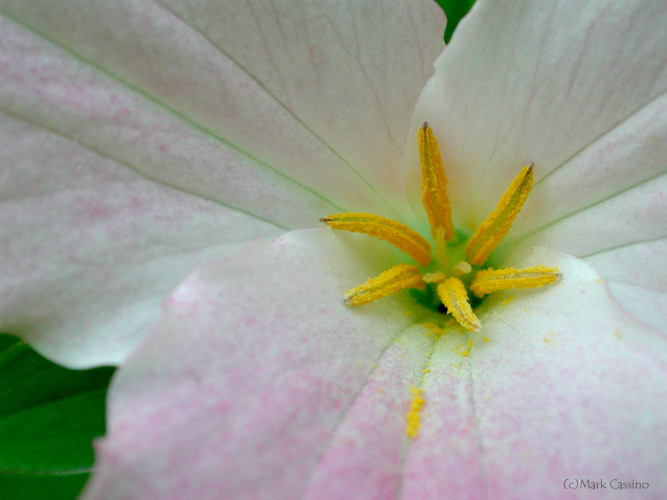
{"x": 455, "y": 274}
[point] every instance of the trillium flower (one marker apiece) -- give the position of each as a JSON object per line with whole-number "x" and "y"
{"x": 258, "y": 381}
{"x": 452, "y": 284}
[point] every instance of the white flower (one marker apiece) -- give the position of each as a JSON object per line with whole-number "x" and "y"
{"x": 257, "y": 380}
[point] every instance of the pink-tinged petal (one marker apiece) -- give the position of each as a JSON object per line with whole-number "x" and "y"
{"x": 258, "y": 374}
{"x": 580, "y": 91}
{"x": 320, "y": 92}
{"x": 369, "y": 447}
{"x": 90, "y": 248}
{"x": 567, "y": 387}
{"x": 280, "y": 391}
{"x": 140, "y": 143}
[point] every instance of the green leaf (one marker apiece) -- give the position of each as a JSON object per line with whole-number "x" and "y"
{"x": 49, "y": 416}
{"x": 42, "y": 487}
{"x": 454, "y": 10}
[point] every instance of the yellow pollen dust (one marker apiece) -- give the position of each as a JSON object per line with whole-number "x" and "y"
{"x": 434, "y": 329}
{"x": 453, "y": 284}
{"x": 465, "y": 352}
{"x": 413, "y": 418}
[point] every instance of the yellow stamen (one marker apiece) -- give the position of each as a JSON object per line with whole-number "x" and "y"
{"x": 495, "y": 227}
{"x": 391, "y": 281}
{"x": 489, "y": 280}
{"x": 441, "y": 247}
{"x": 434, "y": 184}
{"x": 437, "y": 277}
{"x": 453, "y": 294}
{"x": 399, "y": 235}
{"x": 461, "y": 268}
{"x": 413, "y": 420}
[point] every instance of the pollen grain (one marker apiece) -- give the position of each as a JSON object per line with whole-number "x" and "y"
{"x": 413, "y": 418}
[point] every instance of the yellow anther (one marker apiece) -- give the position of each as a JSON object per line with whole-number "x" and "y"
{"x": 453, "y": 294}
{"x": 391, "y": 281}
{"x": 399, "y": 235}
{"x": 413, "y": 418}
{"x": 434, "y": 184}
{"x": 489, "y": 280}
{"x": 495, "y": 227}
{"x": 446, "y": 279}
{"x": 461, "y": 268}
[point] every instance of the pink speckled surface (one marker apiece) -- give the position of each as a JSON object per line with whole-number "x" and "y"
{"x": 142, "y": 139}
{"x": 255, "y": 393}
{"x": 249, "y": 388}
{"x": 568, "y": 386}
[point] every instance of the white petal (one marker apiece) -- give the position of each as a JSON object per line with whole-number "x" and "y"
{"x": 252, "y": 370}
{"x": 577, "y": 89}
{"x": 318, "y": 92}
{"x": 281, "y": 391}
{"x": 141, "y": 142}
{"x": 90, "y": 248}
{"x": 568, "y": 386}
